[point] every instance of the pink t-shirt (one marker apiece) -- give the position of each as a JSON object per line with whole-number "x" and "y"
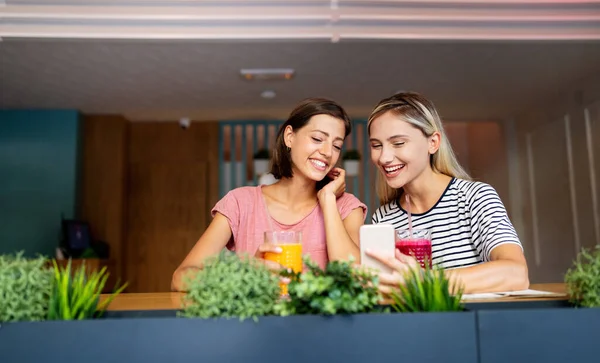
{"x": 246, "y": 211}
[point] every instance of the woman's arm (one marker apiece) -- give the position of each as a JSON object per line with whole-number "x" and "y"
{"x": 342, "y": 236}
{"x": 504, "y": 267}
{"x": 212, "y": 241}
{"x": 506, "y": 271}
{"x": 495, "y": 238}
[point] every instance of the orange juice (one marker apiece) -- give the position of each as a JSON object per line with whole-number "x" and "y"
{"x": 290, "y": 257}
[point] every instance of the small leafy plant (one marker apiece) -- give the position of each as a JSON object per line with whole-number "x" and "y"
{"x": 76, "y": 294}
{"x": 25, "y": 287}
{"x": 262, "y": 154}
{"x": 338, "y": 289}
{"x": 583, "y": 279}
{"x": 426, "y": 290}
{"x": 351, "y": 154}
{"x": 231, "y": 286}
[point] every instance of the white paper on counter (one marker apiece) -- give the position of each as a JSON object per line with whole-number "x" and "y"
{"x": 486, "y": 295}
{"x": 519, "y": 293}
{"x": 529, "y": 292}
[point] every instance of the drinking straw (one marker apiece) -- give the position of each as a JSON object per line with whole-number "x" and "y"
{"x": 409, "y": 216}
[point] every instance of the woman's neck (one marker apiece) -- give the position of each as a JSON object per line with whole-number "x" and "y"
{"x": 424, "y": 191}
{"x": 294, "y": 192}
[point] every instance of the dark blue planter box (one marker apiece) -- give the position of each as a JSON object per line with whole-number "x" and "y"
{"x": 425, "y": 337}
{"x": 545, "y": 335}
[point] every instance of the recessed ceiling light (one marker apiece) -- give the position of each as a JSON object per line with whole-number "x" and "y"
{"x": 268, "y": 94}
{"x": 267, "y": 73}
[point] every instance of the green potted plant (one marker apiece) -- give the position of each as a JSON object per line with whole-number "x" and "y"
{"x": 327, "y": 309}
{"x": 229, "y": 286}
{"x": 340, "y": 288}
{"x": 76, "y": 294}
{"x": 351, "y": 160}
{"x": 427, "y": 290}
{"x": 583, "y": 278}
{"x": 261, "y": 161}
{"x": 341, "y": 303}
{"x": 25, "y": 288}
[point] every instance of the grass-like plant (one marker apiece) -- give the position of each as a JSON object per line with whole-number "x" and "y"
{"x": 340, "y": 288}
{"x": 427, "y": 290}
{"x": 583, "y": 278}
{"x": 76, "y": 294}
{"x": 230, "y": 286}
{"x": 25, "y": 287}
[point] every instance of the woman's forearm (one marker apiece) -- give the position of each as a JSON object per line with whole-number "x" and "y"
{"x": 339, "y": 243}
{"x": 177, "y": 282}
{"x": 493, "y": 276}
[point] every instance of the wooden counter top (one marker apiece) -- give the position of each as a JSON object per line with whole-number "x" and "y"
{"x": 172, "y": 300}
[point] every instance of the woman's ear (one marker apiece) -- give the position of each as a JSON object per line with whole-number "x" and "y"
{"x": 288, "y": 136}
{"x": 434, "y": 142}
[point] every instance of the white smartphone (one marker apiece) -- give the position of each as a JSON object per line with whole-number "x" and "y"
{"x": 380, "y": 238}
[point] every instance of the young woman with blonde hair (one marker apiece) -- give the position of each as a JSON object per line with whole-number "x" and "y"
{"x": 472, "y": 236}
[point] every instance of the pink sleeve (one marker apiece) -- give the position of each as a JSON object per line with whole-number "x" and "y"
{"x": 229, "y": 206}
{"x": 347, "y": 203}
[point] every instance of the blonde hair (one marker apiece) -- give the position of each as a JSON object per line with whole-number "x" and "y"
{"x": 419, "y": 112}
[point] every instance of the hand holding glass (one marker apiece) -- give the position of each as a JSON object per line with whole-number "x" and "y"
{"x": 290, "y": 256}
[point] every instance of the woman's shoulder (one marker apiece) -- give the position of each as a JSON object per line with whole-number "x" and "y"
{"x": 348, "y": 198}
{"x": 348, "y": 202}
{"x": 386, "y": 211}
{"x": 244, "y": 193}
{"x": 476, "y": 194}
{"x": 237, "y": 199}
{"x": 472, "y": 188}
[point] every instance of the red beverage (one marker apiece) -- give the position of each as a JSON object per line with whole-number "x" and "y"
{"x": 419, "y": 248}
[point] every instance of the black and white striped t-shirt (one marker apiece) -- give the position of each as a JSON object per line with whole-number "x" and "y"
{"x": 467, "y": 222}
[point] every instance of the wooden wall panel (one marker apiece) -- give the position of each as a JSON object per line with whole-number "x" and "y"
{"x": 594, "y": 132}
{"x": 481, "y": 149}
{"x": 167, "y": 142}
{"x": 525, "y": 204}
{"x": 458, "y": 137}
{"x": 582, "y": 189}
{"x": 487, "y": 158}
{"x": 557, "y": 192}
{"x": 173, "y": 184}
{"x": 167, "y": 213}
{"x": 103, "y": 182}
{"x": 553, "y": 202}
{"x": 556, "y": 189}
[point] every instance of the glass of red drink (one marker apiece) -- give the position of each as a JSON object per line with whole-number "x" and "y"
{"x": 416, "y": 244}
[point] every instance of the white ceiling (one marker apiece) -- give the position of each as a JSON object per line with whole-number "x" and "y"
{"x": 160, "y": 80}
{"x": 166, "y": 59}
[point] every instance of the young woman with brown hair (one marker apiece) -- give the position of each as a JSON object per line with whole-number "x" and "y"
{"x": 308, "y": 197}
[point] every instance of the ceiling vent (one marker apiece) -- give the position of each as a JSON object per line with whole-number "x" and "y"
{"x": 267, "y": 74}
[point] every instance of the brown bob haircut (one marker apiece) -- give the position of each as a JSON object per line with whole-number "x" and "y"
{"x": 281, "y": 161}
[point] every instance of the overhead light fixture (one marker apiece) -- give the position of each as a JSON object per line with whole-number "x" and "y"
{"x": 267, "y": 74}
{"x": 268, "y": 94}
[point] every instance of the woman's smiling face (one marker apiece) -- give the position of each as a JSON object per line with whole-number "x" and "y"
{"x": 315, "y": 148}
{"x": 400, "y": 150}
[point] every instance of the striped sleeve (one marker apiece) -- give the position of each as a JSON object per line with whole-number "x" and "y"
{"x": 374, "y": 218}
{"x": 490, "y": 225}
{"x": 379, "y": 214}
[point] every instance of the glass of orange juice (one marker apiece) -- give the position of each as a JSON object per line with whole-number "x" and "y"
{"x": 290, "y": 257}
